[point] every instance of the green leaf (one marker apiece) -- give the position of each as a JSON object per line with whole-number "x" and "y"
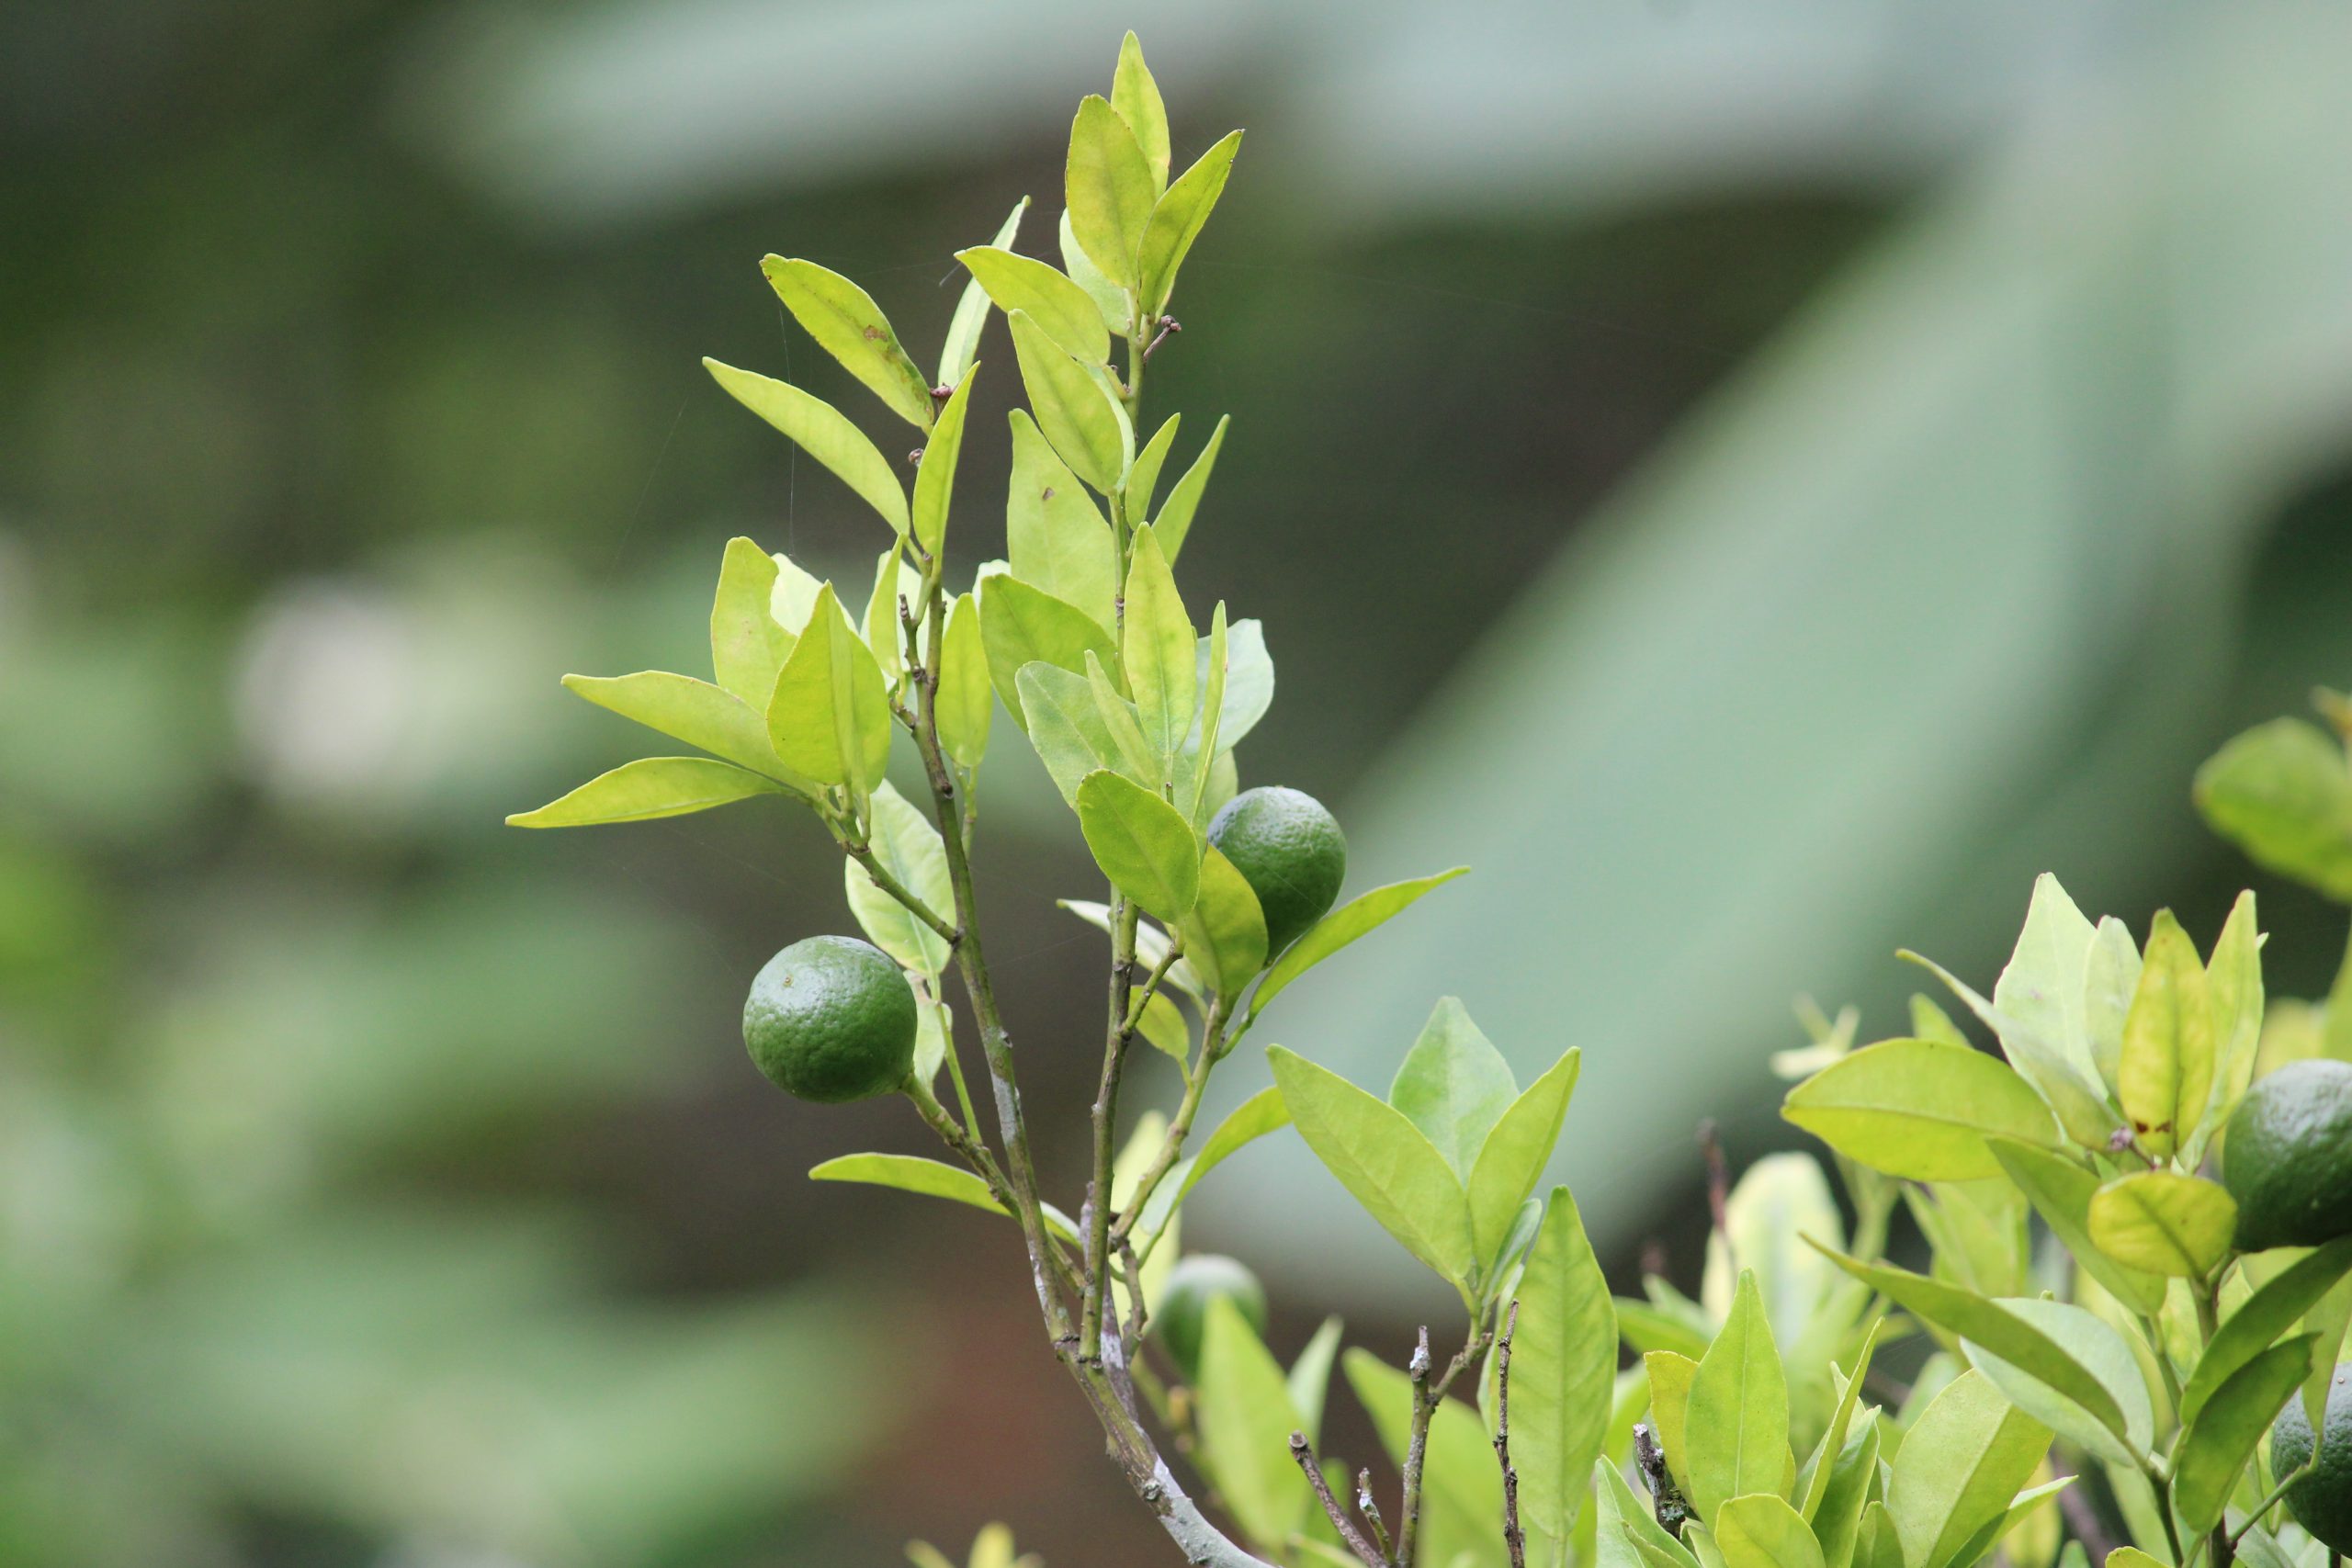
{"x": 1263, "y": 1113}
{"x": 1056, "y": 537}
{"x": 911, "y": 850}
{"x": 1762, "y": 1531}
{"x": 2167, "y": 1070}
{"x": 1919, "y": 1108}
{"x": 962, "y": 342}
{"x": 1110, "y": 189}
{"x": 2164, "y": 1223}
{"x": 1395, "y": 1172}
{"x": 1340, "y": 927}
{"x": 1736, "y": 1430}
{"x": 2111, "y": 977}
{"x": 2273, "y": 1309}
{"x": 895, "y": 584}
{"x": 965, "y": 707}
{"x": 1634, "y": 1519}
{"x": 649, "y": 788}
{"x": 1310, "y": 1378}
{"x": 1453, "y": 1085}
{"x": 1837, "y": 1522}
{"x": 1877, "y": 1543}
{"x": 2133, "y": 1557}
{"x": 2086, "y": 1118}
{"x": 1965, "y": 1457}
{"x": 1175, "y": 524}
{"x": 692, "y": 711}
{"x": 830, "y": 717}
{"x": 793, "y": 601}
{"x": 928, "y": 1178}
{"x": 1137, "y": 98}
{"x": 1143, "y": 844}
{"x": 1563, "y": 1369}
{"x": 850, "y": 326}
{"x": 2221, "y": 1440}
{"x": 2282, "y": 793}
{"x": 747, "y": 645}
{"x": 1159, "y": 649}
{"x": 2023, "y": 1343}
{"x": 2234, "y": 978}
{"x": 1081, "y": 419}
{"x": 1462, "y": 1487}
{"x": 1110, "y": 299}
{"x": 2096, "y": 1349}
{"x": 1814, "y": 1477}
{"x": 2329, "y": 1318}
{"x": 2043, "y": 986}
{"x": 1249, "y": 684}
{"x": 1243, "y": 1423}
{"x": 1225, "y": 936}
{"x": 1202, "y": 742}
{"x": 1671, "y": 1376}
{"x": 1061, "y": 309}
{"x": 2061, "y": 1191}
{"x": 1176, "y": 221}
{"x": 1512, "y": 1158}
{"x": 1022, "y": 624}
{"x": 1162, "y": 1025}
{"x": 1136, "y": 760}
{"x": 1143, "y": 477}
{"x": 1065, "y": 727}
{"x": 936, "y": 475}
{"x": 821, "y": 431}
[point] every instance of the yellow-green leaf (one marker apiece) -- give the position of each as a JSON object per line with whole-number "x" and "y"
{"x": 1965, "y": 1457}
{"x": 692, "y": 711}
{"x": 1056, "y": 537}
{"x": 1762, "y": 1531}
{"x": 830, "y": 717}
{"x": 1563, "y": 1369}
{"x": 2164, "y": 1223}
{"x": 1176, "y": 221}
{"x": 649, "y": 788}
{"x": 1225, "y": 936}
{"x": 1143, "y": 844}
{"x": 1062, "y": 309}
{"x": 1736, "y": 1429}
{"x": 962, "y": 342}
{"x": 747, "y": 645}
{"x": 1021, "y": 625}
{"x": 936, "y": 476}
{"x": 1077, "y": 414}
{"x": 1511, "y": 1157}
{"x": 1383, "y": 1160}
{"x": 2221, "y": 1440}
{"x": 911, "y": 850}
{"x": 850, "y": 326}
{"x": 2282, "y": 793}
{"x": 1340, "y": 927}
{"x": 1110, "y": 189}
{"x": 2167, "y": 1070}
{"x": 964, "y": 708}
{"x": 1920, "y": 1109}
{"x": 1175, "y": 524}
{"x": 822, "y": 431}
{"x": 1135, "y": 96}
{"x": 1160, "y": 651}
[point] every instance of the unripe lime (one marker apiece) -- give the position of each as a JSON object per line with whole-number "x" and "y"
{"x": 832, "y": 1019}
{"x": 1184, "y": 1313}
{"x": 2322, "y": 1501}
{"x": 2287, "y": 1157}
{"x": 1289, "y": 851}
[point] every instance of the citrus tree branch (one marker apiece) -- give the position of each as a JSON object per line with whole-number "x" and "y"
{"x": 1354, "y": 1537}
{"x": 1514, "y": 1538}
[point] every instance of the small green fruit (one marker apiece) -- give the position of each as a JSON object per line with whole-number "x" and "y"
{"x": 2322, "y": 1501}
{"x": 1184, "y": 1313}
{"x": 832, "y": 1019}
{"x": 2287, "y": 1157}
{"x": 1289, "y": 851}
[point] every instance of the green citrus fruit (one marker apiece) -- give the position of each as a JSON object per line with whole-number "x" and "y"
{"x": 832, "y": 1019}
{"x": 1289, "y": 851}
{"x": 2322, "y": 1501}
{"x": 1184, "y": 1313}
{"x": 2287, "y": 1157}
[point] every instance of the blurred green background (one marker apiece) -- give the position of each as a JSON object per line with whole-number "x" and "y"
{"x": 1757, "y": 481}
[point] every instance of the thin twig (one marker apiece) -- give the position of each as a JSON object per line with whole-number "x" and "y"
{"x": 1151, "y": 983}
{"x": 1416, "y": 1450}
{"x": 1370, "y": 1512}
{"x": 1514, "y": 1538}
{"x": 1356, "y": 1543}
{"x": 865, "y": 856}
{"x": 2267, "y": 1503}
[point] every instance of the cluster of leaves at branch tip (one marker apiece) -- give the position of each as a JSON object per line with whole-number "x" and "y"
{"x": 2178, "y": 1335}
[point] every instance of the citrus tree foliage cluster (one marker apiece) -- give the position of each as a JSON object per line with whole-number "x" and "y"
{"x": 1741, "y": 1437}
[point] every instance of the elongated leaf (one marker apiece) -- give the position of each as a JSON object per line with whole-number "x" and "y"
{"x": 1262, "y": 1113}
{"x": 1340, "y": 927}
{"x": 1056, "y": 537}
{"x": 911, "y": 850}
{"x": 1837, "y": 1521}
{"x": 1762, "y": 1531}
{"x": 1563, "y": 1369}
{"x": 1462, "y": 1487}
{"x": 1060, "y": 307}
{"x": 850, "y": 326}
{"x": 1225, "y": 936}
{"x": 898, "y": 590}
{"x": 1671, "y": 1376}
{"x": 830, "y": 717}
{"x": 1919, "y": 1108}
{"x": 2090, "y": 1344}
{"x": 1021, "y": 625}
{"x": 2043, "y": 986}
{"x": 1143, "y": 844}
{"x": 1177, "y": 218}
{"x": 1244, "y": 1425}
{"x": 1633, "y": 1516}
{"x": 793, "y": 600}
{"x": 1143, "y": 477}
{"x": 1878, "y": 1544}
{"x": 692, "y": 711}
{"x": 2164, "y": 1223}
{"x": 1512, "y": 1158}
{"x": 1065, "y": 727}
{"x": 1076, "y": 415}
{"x": 1162, "y": 1025}
{"x": 2270, "y": 1312}
{"x": 2222, "y": 1439}
{"x": 1202, "y": 743}
{"x": 747, "y": 645}
{"x": 1174, "y": 523}
{"x": 1137, "y": 98}
{"x": 1736, "y": 1430}
{"x": 2111, "y": 976}
{"x": 1382, "y": 1160}
{"x": 2234, "y": 978}
{"x": 963, "y": 342}
{"x": 1453, "y": 1085}
{"x": 2086, "y": 1118}
{"x": 1113, "y": 300}
{"x": 1967, "y": 1455}
{"x": 965, "y": 708}
{"x": 821, "y": 431}
{"x": 1994, "y": 1326}
{"x": 1310, "y": 1378}
{"x": 936, "y": 476}
{"x": 1249, "y": 684}
{"x": 1814, "y": 1478}
{"x": 1110, "y": 189}
{"x": 929, "y": 1179}
{"x": 2167, "y": 1070}
{"x": 2280, "y": 792}
{"x": 649, "y": 788}
{"x": 1160, "y": 650}
{"x": 1137, "y": 760}
{"x": 2061, "y": 1192}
